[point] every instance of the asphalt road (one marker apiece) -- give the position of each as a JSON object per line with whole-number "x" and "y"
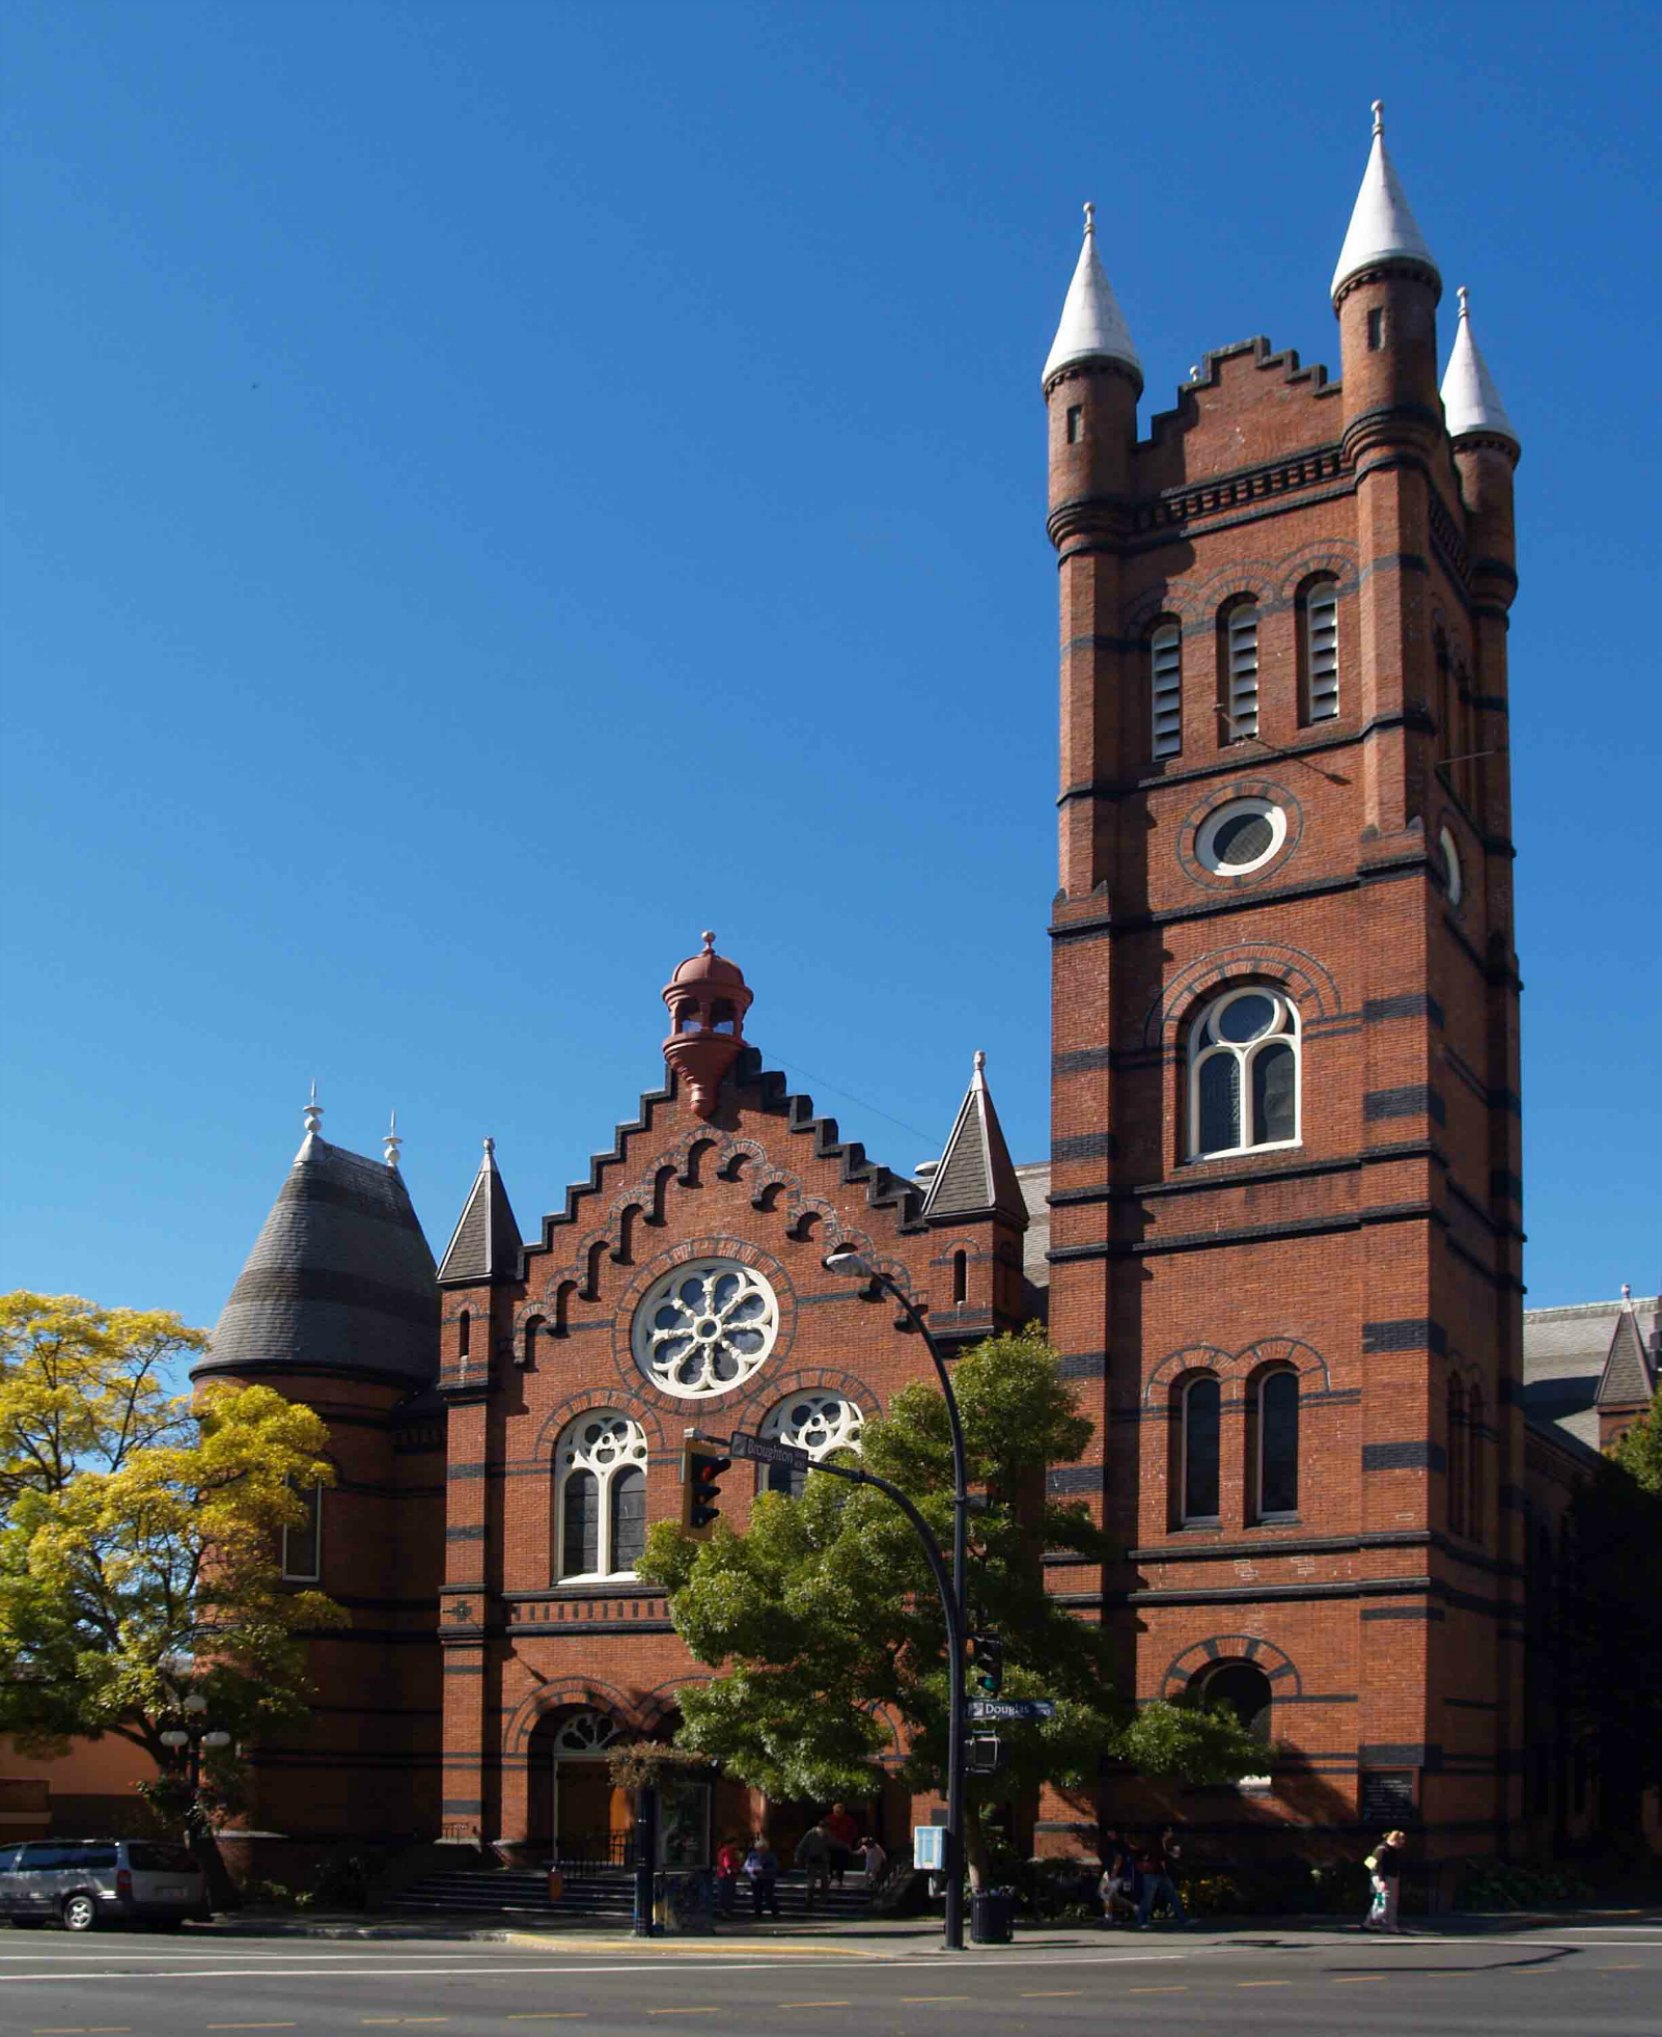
{"x": 1564, "y": 1981}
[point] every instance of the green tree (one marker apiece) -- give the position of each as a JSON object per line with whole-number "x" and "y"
{"x": 140, "y": 1534}
{"x": 1639, "y": 1450}
{"x": 826, "y": 1622}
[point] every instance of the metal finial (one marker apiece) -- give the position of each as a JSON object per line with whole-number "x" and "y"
{"x": 314, "y": 1111}
{"x": 1464, "y": 296}
{"x": 1627, "y": 1292}
{"x": 1090, "y": 217}
{"x": 980, "y": 1061}
{"x": 1194, "y": 371}
{"x": 709, "y": 941}
{"x": 1379, "y": 116}
{"x": 490, "y": 1148}
{"x": 391, "y": 1143}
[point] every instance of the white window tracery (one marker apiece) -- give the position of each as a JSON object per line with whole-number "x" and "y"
{"x": 816, "y": 1422}
{"x": 600, "y": 1496}
{"x": 584, "y": 1735}
{"x": 1244, "y": 1073}
{"x": 705, "y": 1328}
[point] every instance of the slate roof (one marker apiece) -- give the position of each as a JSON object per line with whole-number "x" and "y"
{"x": 976, "y": 1176}
{"x": 485, "y": 1244}
{"x": 1565, "y": 1351}
{"x": 340, "y": 1277}
{"x": 1626, "y": 1380}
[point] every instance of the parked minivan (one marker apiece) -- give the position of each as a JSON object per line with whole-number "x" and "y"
{"x": 87, "y": 1883}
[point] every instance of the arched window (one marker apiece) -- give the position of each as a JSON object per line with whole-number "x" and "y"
{"x": 464, "y": 1333}
{"x": 1165, "y": 661}
{"x": 1202, "y": 1405}
{"x": 599, "y": 1496}
{"x": 816, "y": 1422}
{"x": 303, "y": 1541}
{"x": 1243, "y": 1073}
{"x": 1244, "y": 1688}
{"x": 533, "y": 1330}
{"x": 1456, "y": 1471}
{"x": 1474, "y": 1464}
{"x": 1275, "y": 1474}
{"x": 1238, "y": 670}
{"x": 960, "y": 1277}
{"x": 1320, "y": 645}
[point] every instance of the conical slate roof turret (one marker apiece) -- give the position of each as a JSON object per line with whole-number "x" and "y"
{"x": 485, "y": 1244}
{"x": 340, "y": 1279}
{"x": 976, "y": 1176}
{"x": 1382, "y": 229}
{"x": 1093, "y": 328}
{"x": 1626, "y": 1379}
{"x": 1471, "y": 402}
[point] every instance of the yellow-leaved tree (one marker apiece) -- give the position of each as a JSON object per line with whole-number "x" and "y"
{"x": 140, "y": 1537}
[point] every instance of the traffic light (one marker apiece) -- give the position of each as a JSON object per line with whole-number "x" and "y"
{"x": 984, "y": 1754}
{"x": 986, "y": 1654}
{"x": 701, "y": 1474}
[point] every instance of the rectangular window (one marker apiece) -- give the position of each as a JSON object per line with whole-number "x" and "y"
{"x": 303, "y": 1543}
{"x": 1076, "y": 425}
{"x": 1376, "y": 330}
{"x": 1166, "y": 680}
{"x": 1241, "y": 672}
{"x": 1322, "y": 653}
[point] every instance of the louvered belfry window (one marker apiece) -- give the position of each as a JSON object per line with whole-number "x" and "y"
{"x": 1321, "y": 623}
{"x": 1241, "y": 671}
{"x": 1166, "y": 680}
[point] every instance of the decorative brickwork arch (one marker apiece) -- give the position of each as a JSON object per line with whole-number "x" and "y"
{"x": 554, "y": 1696}
{"x": 662, "y": 1702}
{"x": 771, "y": 1387}
{"x": 1188, "y": 832}
{"x": 1235, "y": 1368}
{"x": 1277, "y": 1665}
{"x": 644, "y": 1411}
{"x": 1334, "y": 557}
{"x": 1304, "y": 979}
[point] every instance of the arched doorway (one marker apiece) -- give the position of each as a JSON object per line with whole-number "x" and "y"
{"x": 1246, "y": 1691}
{"x": 576, "y": 1810}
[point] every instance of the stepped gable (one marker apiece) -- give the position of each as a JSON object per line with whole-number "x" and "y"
{"x": 340, "y": 1279}
{"x": 770, "y": 1093}
{"x": 485, "y": 1245}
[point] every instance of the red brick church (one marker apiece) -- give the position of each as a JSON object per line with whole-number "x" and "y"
{"x": 1277, "y": 1241}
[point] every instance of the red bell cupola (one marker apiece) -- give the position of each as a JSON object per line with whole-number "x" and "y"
{"x": 707, "y": 999}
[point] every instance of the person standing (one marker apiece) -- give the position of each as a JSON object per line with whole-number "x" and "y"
{"x": 841, "y": 1833}
{"x": 1384, "y": 1866}
{"x": 1154, "y": 1873}
{"x": 729, "y": 1866}
{"x": 1116, "y": 1885}
{"x": 761, "y": 1867}
{"x": 813, "y": 1856}
{"x": 873, "y": 1861}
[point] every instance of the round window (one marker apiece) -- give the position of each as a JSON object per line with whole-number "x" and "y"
{"x": 1241, "y": 836}
{"x": 1452, "y": 875}
{"x": 705, "y": 1327}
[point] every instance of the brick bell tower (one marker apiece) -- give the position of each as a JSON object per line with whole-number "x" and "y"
{"x": 1285, "y": 1139}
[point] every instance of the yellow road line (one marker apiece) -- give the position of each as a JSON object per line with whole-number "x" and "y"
{"x": 1355, "y": 1979}
{"x": 1157, "y": 1991}
{"x": 684, "y": 2012}
{"x": 253, "y": 2026}
{"x": 1050, "y": 1994}
{"x": 814, "y": 2005}
{"x": 1263, "y": 1983}
{"x": 934, "y": 1998}
{"x": 543, "y": 2015}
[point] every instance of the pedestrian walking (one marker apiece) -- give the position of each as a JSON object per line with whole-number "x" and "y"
{"x": 1384, "y": 1865}
{"x": 841, "y": 1834}
{"x": 761, "y": 1868}
{"x": 1118, "y": 1879}
{"x": 813, "y": 1856}
{"x": 1155, "y": 1861}
{"x": 729, "y": 1866}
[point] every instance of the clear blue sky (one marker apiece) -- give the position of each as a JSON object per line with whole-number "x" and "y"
{"x": 494, "y": 489}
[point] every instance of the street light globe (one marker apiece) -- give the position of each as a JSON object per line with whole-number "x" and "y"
{"x": 216, "y": 1739}
{"x": 196, "y": 1702}
{"x": 175, "y": 1736}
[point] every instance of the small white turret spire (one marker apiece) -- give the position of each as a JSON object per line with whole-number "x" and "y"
{"x": 313, "y": 1112}
{"x": 1382, "y": 229}
{"x": 391, "y": 1143}
{"x": 1471, "y": 402}
{"x": 1093, "y": 328}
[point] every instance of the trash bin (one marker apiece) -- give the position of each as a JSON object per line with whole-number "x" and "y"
{"x": 992, "y": 1916}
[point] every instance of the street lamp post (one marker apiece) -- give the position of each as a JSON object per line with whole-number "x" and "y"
{"x": 195, "y": 1734}
{"x": 845, "y": 1259}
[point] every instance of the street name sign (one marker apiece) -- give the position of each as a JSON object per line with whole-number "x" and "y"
{"x": 764, "y": 1452}
{"x": 1011, "y": 1708}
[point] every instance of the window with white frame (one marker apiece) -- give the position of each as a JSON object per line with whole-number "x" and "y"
{"x": 1321, "y": 651}
{"x": 1275, "y": 1474}
{"x": 303, "y": 1540}
{"x": 1165, "y": 658}
{"x": 816, "y": 1422}
{"x": 1202, "y": 1407}
{"x": 1239, "y": 688}
{"x": 599, "y": 1497}
{"x": 1243, "y": 1073}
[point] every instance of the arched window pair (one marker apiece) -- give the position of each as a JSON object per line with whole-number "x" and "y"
{"x": 1272, "y": 1448}
{"x": 1318, "y": 639}
{"x": 1243, "y": 1073}
{"x": 599, "y": 1497}
{"x": 1465, "y": 1459}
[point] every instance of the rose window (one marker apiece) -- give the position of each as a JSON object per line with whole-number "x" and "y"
{"x": 705, "y": 1327}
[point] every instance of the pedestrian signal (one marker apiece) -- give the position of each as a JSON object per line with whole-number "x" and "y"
{"x": 985, "y": 1754}
{"x": 986, "y": 1654}
{"x": 701, "y": 1475}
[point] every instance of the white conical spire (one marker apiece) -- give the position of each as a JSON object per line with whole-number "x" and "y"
{"x": 1471, "y": 402}
{"x": 1382, "y": 229}
{"x": 1093, "y": 327}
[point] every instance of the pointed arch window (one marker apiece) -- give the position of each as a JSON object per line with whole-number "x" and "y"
{"x": 1201, "y": 1411}
{"x": 1321, "y": 650}
{"x": 1244, "y": 1073}
{"x": 1238, "y": 670}
{"x": 1165, "y": 659}
{"x": 599, "y": 1497}
{"x": 1275, "y": 1444}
